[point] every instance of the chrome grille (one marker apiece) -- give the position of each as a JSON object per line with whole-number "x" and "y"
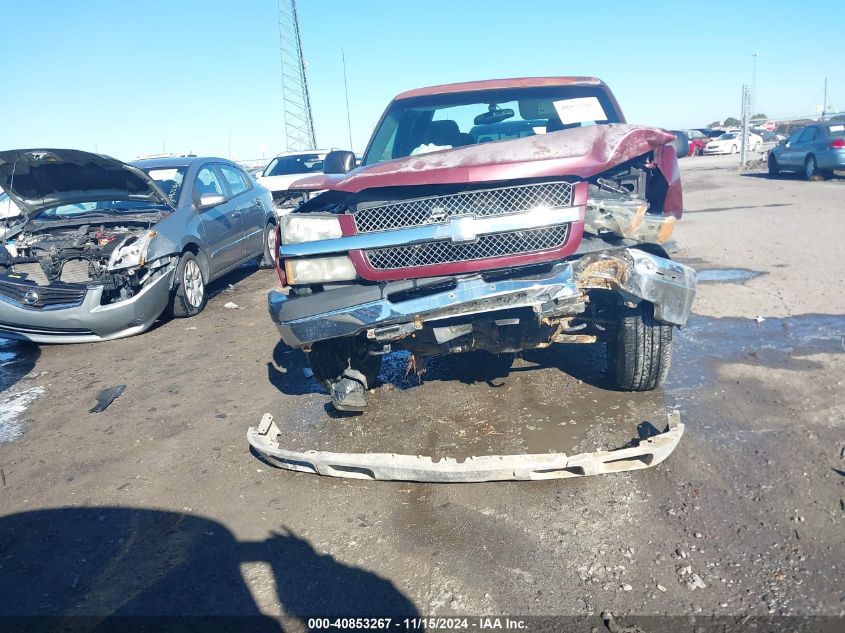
{"x": 480, "y": 203}
{"x": 485, "y": 247}
{"x": 41, "y": 296}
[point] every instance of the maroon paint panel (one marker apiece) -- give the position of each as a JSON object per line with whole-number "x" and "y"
{"x": 576, "y": 230}
{"x": 581, "y": 152}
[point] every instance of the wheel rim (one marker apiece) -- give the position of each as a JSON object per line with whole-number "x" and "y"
{"x": 811, "y": 168}
{"x": 194, "y": 287}
{"x": 271, "y": 243}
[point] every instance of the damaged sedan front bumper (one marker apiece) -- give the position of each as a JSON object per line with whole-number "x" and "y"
{"x": 637, "y": 455}
{"x": 405, "y": 305}
{"x": 86, "y": 320}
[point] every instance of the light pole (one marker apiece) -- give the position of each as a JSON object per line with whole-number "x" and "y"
{"x": 753, "y": 83}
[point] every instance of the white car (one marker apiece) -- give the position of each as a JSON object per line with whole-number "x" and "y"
{"x": 9, "y": 211}
{"x": 286, "y": 169}
{"x": 730, "y": 143}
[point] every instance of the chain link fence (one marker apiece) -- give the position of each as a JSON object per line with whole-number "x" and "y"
{"x": 761, "y": 134}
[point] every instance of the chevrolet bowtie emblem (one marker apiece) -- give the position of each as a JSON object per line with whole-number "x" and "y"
{"x": 462, "y": 228}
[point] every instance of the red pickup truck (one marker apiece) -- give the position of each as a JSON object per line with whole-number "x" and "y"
{"x": 498, "y": 215}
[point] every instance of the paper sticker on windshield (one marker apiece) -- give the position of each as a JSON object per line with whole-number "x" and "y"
{"x": 579, "y": 110}
{"x": 837, "y": 128}
{"x": 163, "y": 174}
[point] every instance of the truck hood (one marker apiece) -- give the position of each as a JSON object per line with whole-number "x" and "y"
{"x": 39, "y": 179}
{"x": 581, "y": 152}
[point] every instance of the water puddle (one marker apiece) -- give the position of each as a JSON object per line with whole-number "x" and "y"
{"x": 727, "y": 275}
{"x": 552, "y": 400}
{"x": 16, "y": 362}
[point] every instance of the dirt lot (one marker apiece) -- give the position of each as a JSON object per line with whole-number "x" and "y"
{"x": 158, "y": 506}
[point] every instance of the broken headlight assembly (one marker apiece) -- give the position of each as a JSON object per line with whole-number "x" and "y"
{"x": 131, "y": 252}
{"x": 628, "y": 218}
{"x": 311, "y": 227}
{"x": 319, "y": 270}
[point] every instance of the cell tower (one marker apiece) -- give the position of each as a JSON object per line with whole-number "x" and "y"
{"x": 299, "y": 126}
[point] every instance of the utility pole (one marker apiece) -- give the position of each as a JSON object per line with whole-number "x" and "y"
{"x": 824, "y": 103}
{"x": 296, "y": 104}
{"x": 753, "y": 83}
{"x": 346, "y": 91}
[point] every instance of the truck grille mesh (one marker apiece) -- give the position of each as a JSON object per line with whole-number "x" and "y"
{"x": 485, "y": 247}
{"x": 480, "y": 203}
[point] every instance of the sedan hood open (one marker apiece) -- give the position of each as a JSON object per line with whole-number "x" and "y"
{"x": 582, "y": 152}
{"x": 39, "y": 179}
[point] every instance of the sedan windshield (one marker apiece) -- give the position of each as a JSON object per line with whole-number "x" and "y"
{"x": 169, "y": 181}
{"x": 728, "y": 136}
{"x": 298, "y": 164}
{"x": 99, "y": 208}
{"x": 436, "y": 122}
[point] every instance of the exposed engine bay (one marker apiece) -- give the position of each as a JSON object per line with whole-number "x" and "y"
{"x": 74, "y": 255}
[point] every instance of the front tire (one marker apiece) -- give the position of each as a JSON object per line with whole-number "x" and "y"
{"x": 329, "y": 359}
{"x": 268, "y": 257}
{"x": 640, "y": 355}
{"x": 733, "y": 149}
{"x": 774, "y": 169}
{"x": 189, "y": 297}
{"x": 811, "y": 168}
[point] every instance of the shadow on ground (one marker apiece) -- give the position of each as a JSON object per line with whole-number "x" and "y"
{"x": 127, "y": 562}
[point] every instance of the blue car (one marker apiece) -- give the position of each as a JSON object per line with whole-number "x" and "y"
{"x": 815, "y": 151}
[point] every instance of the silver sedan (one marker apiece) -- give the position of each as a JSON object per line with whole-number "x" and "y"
{"x": 103, "y": 248}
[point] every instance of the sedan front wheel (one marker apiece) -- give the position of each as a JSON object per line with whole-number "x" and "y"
{"x": 189, "y": 295}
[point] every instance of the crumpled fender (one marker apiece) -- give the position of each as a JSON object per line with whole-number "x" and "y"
{"x": 581, "y": 152}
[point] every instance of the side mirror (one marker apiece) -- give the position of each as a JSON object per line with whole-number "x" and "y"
{"x": 339, "y": 161}
{"x": 208, "y": 200}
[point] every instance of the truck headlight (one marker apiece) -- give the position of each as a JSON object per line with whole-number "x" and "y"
{"x": 131, "y": 252}
{"x": 309, "y": 227}
{"x": 319, "y": 270}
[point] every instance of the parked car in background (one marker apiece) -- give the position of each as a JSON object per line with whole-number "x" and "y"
{"x": 730, "y": 143}
{"x": 815, "y": 151}
{"x": 102, "y": 248}
{"x": 286, "y": 169}
{"x": 697, "y": 141}
{"x": 681, "y": 143}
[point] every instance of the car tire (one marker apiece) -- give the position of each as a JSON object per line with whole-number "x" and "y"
{"x": 700, "y": 151}
{"x": 811, "y": 168}
{"x": 329, "y": 359}
{"x": 189, "y": 296}
{"x": 774, "y": 169}
{"x": 733, "y": 149}
{"x": 641, "y": 352}
{"x": 268, "y": 257}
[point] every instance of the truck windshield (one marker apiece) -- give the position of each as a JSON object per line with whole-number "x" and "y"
{"x": 431, "y": 123}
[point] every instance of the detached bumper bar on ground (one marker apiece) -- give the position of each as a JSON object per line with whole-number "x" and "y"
{"x": 642, "y": 453}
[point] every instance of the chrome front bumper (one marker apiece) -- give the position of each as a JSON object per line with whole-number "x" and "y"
{"x": 90, "y": 321}
{"x": 636, "y": 275}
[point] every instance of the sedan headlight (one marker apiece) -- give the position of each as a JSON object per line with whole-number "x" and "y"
{"x": 309, "y": 227}
{"x": 319, "y": 270}
{"x": 131, "y": 252}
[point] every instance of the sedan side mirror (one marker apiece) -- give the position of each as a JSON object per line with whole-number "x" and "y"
{"x": 208, "y": 200}
{"x": 339, "y": 161}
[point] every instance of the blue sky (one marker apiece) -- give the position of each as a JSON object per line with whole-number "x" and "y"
{"x": 128, "y": 77}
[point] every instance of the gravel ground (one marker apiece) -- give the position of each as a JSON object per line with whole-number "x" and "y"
{"x": 157, "y": 505}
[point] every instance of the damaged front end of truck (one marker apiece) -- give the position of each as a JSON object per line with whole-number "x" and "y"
{"x": 489, "y": 263}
